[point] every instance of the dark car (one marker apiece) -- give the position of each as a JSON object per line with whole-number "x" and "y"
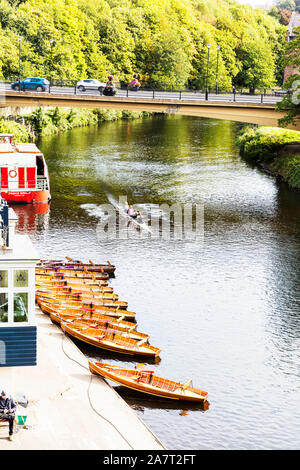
{"x": 38, "y": 84}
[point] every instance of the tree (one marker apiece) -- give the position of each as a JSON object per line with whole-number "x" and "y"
{"x": 257, "y": 65}
{"x": 286, "y": 4}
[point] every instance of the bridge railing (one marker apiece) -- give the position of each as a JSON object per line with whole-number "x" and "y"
{"x": 174, "y": 91}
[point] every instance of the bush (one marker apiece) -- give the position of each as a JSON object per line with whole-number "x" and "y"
{"x": 263, "y": 143}
{"x": 20, "y": 132}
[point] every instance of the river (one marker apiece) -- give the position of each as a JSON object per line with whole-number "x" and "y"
{"x": 223, "y": 309}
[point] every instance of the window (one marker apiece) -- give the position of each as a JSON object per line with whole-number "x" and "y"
{"x": 3, "y": 307}
{"x": 20, "y": 307}
{"x": 21, "y": 278}
{"x": 3, "y": 278}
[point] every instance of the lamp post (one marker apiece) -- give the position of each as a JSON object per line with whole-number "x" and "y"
{"x": 217, "y": 85}
{"x": 206, "y": 86}
{"x": 51, "y": 63}
{"x": 20, "y": 39}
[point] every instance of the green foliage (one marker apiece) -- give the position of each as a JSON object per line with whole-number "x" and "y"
{"x": 163, "y": 40}
{"x": 286, "y": 4}
{"x": 20, "y": 132}
{"x": 53, "y": 121}
{"x": 262, "y": 143}
{"x": 288, "y": 167}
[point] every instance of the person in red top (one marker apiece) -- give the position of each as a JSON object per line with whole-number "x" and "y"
{"x": 135, "y": 84}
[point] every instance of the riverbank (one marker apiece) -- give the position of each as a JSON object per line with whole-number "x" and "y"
{"x": 276, "y": 150}
{"x": 69, "y": 408}
{"x": 45, "y": 122}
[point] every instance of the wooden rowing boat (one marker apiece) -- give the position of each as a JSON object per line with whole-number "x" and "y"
{"x": 77, "y": 308}
{"x": 52, "y": 271}
{"x": 96, "y": 301}
{"x": 78, "y": 265}
{"x": 68, "y": 291}
{"x": 84, "y": 290}
{"x": 111, "y": 341}
{"x": 76, "y": 283}
{"x": 57, "y": 315}
{"x": 49, "y": 273}
{"x": 145, "y": 381}
{"x": 108, "y": 325}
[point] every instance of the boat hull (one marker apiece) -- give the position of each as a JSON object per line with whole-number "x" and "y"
{"x": 26, "y": 197}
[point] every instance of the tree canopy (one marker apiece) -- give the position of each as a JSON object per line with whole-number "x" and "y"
{"x": 165, "y": 41}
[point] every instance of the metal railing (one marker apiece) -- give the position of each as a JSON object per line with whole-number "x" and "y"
{"x": 42, "y": 183}
{"x": 175, "y": 91}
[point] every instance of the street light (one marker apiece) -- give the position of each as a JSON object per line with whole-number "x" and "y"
{"x": 20, "y": 39}
{"x": 206, "y": 86}
{"x": 217, "y": 85}
{"x": 51, "y": 44}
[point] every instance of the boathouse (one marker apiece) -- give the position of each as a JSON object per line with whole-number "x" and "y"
{"x": 18, "y": 259}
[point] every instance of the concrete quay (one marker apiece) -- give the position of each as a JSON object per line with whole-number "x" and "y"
{"x": 69, "y": 408}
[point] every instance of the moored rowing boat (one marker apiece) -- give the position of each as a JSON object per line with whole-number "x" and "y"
{"x": 74, "y": 272}
{"x": 74, "y": 290}
{"x": 76, "y": 283}
{"x": 145, "y": 381}
{"x": 108, "y": 325}
{"x": 72, "y": 276}
{"x": 111, "y": 341}
{"x": 57, "y": 315}
{"x": 80, "y": 298}
{"x": 78, "y": 265}
{"x": 77, "y": 308}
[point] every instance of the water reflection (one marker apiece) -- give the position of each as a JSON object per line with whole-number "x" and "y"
{"x": 32, "y": 218}
{"x": 141, "y": 401}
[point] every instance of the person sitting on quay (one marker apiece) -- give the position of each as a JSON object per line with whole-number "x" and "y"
{"x": 7, "y": 411}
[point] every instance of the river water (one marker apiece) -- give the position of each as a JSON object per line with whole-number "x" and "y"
{"x": 223, "y": 309}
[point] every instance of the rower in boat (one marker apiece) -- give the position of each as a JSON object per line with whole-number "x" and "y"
{"x": 132, "y": 213}
{"x": 139, "y": 218}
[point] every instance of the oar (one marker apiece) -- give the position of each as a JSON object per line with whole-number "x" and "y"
{"x": 187, "y": 384}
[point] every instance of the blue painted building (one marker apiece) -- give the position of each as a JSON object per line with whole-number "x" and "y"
{"x": 18, "y": 259}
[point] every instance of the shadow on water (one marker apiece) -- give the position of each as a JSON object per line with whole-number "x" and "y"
{"x": 101, "y": 355}
{"x": 140, "y": 401}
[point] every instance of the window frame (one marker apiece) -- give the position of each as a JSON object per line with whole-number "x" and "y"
{"x": 11, "y": 290}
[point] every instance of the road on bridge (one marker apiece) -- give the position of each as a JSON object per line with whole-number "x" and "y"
{"x": 157, "y": 94}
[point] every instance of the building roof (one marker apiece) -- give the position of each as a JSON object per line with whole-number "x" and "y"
{"x": 21, "y": 250}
